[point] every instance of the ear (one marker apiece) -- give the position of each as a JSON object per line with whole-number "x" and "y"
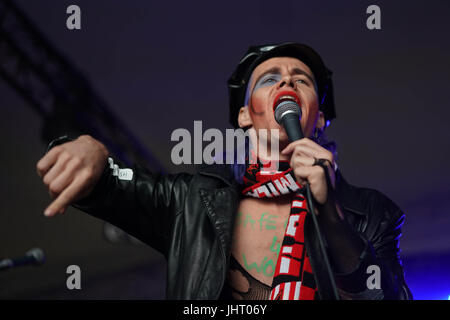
{"x": 244, "y": 119}
{"x": 321, "y": 121}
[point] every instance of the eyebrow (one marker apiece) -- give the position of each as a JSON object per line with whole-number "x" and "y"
{"x": 294, "y": 71}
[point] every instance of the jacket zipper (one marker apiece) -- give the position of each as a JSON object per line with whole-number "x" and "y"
{"x": 211, "y": 214}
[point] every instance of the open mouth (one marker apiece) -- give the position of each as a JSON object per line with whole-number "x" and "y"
{"x": 285, "y": 96}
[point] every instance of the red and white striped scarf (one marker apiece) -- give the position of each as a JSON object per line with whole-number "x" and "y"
{"x": 293, "y": 278}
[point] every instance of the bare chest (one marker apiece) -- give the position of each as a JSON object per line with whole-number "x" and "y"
{"x": 258, "y": 234}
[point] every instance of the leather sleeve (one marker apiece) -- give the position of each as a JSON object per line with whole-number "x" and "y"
{"x": 144, "y": 206}
{"x": 139, "y": 202}
{"x": 382, "y": 250}
{"x": 385, "y": 242}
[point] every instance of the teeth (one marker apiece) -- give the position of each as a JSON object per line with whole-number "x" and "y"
{"x": 286, "y": 98}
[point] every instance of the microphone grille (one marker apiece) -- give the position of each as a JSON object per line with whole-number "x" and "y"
{"x": 286, "y": 107}
{"x": 37, "y": 254}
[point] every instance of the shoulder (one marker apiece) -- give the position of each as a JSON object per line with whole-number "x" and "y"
{"x": 217, "y": 175}
{"x": 373, "y": 204}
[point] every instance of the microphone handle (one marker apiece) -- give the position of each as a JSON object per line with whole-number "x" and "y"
{"x": 6, "y": 264}
{"x": 24, "y": 261}
{"x": 292, "y": 126}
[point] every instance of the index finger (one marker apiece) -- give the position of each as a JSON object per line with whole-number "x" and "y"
{"x": 304, "y": 142}
{"x": 291, "y": 146}
{"x": 47, "y": 161}
{"x": 65, "y": 198}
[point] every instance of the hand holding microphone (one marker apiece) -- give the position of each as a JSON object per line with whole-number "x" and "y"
{"x": 305, "y": 153}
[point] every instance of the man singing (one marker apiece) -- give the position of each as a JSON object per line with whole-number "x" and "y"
{"x": 229, "y": 233}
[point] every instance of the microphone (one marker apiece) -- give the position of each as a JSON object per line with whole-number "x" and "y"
{"x": 33, "y": 256}
{"x": 288, "y": 114}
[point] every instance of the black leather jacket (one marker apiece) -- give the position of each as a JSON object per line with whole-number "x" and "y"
{"x": 189, "y": 219}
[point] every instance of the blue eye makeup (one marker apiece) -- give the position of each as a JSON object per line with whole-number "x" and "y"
{"x": 272, "y": 78}
{"x": 267, "y": 80}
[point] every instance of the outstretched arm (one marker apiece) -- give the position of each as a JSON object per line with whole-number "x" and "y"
{"x": 139, "y": 202}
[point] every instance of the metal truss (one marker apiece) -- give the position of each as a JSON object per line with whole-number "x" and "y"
{"x": 58, "y": 92}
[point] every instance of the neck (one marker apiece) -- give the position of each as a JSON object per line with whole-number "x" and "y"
{"x": 265, "y": 152}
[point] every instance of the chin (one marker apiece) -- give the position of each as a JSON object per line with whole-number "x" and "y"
{"x": 283, "y": 136}
{"x": 283, "y": 139}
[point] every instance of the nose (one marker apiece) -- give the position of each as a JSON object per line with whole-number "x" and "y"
{"x": 287, "y": 81}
